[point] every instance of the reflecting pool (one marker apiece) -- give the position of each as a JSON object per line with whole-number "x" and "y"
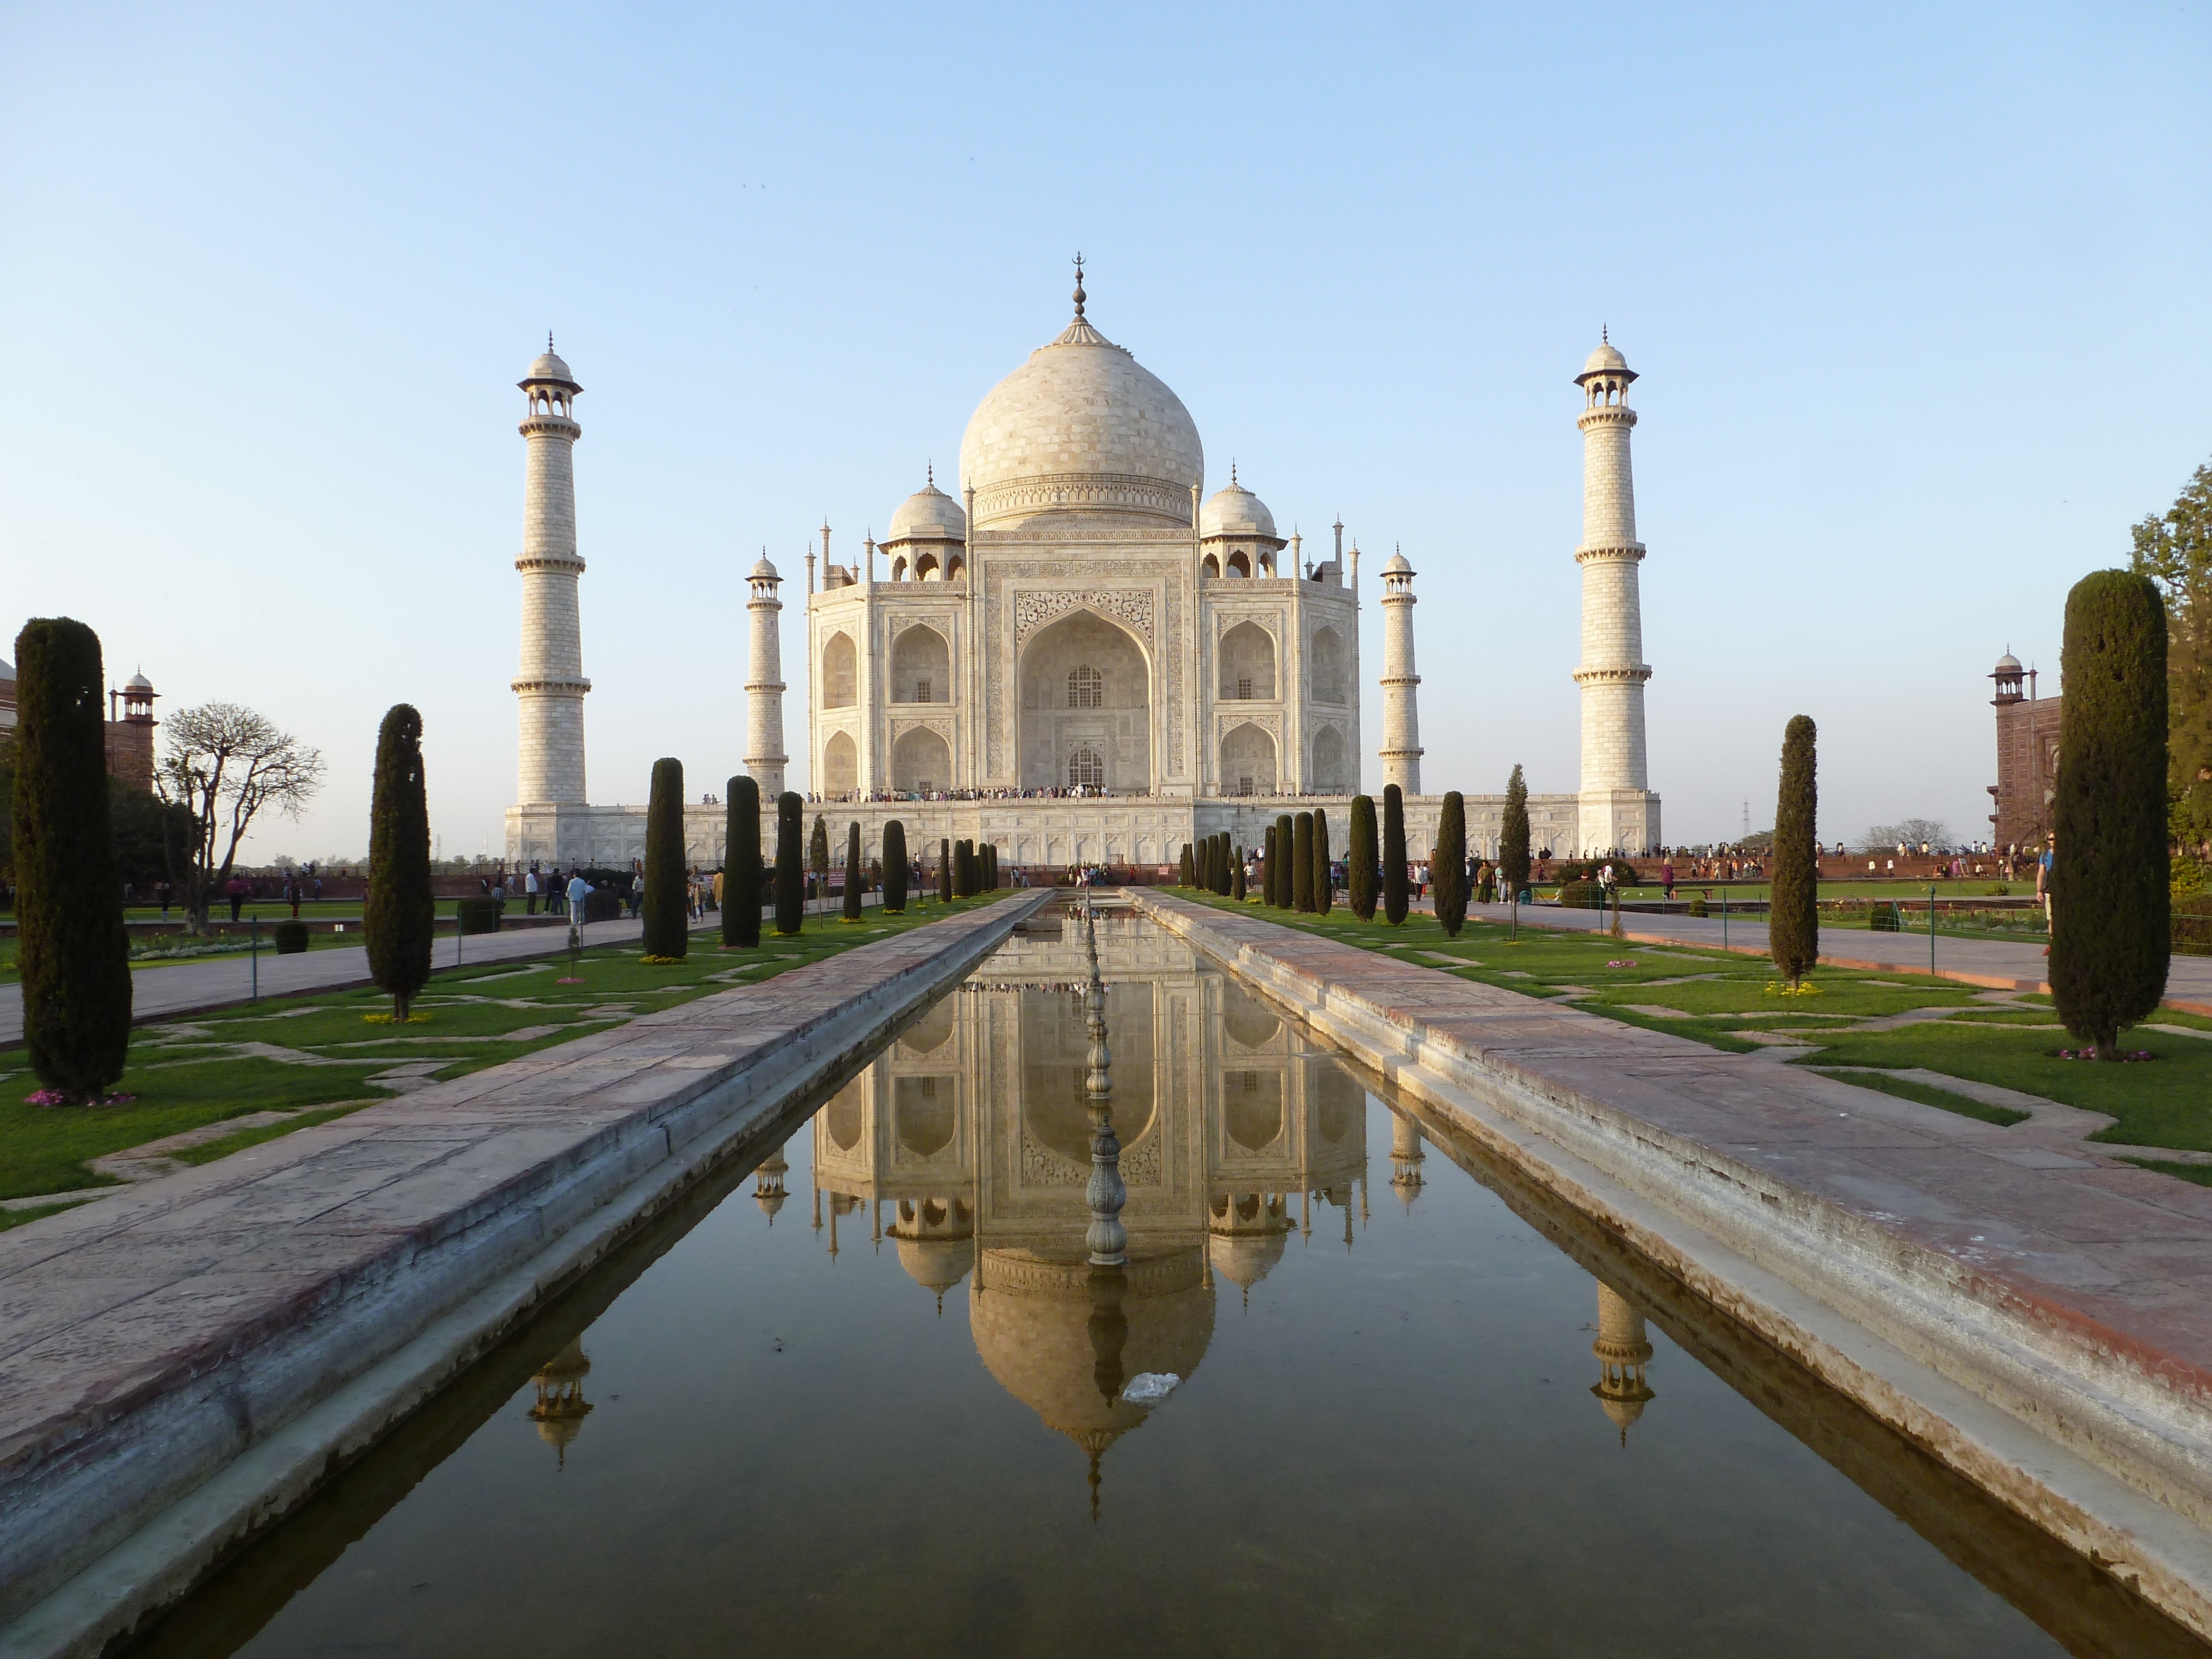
{"x": 868, "y": 1393}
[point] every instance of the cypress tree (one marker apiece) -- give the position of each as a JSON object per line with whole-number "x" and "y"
{"x": 1302, "y": 845}
{"x": 895, "y": 868}
{"x": 1513, "y": 837}
{"x": 1215, "y": 875}
{"x": 1793, "y": 928}
{"x": 1396, "y": 900}
{"x": 2111, "y": 903}
{"x": 73, "y": 952}
{"x": 1236, "y": 877}
{"x": 992, "y": 849}
{"x": 1361, "y": 858}
{"x": 856, "y": 874}
{"x": 1448, "y": 863}
{"x": 399, "y": 912}
{"x": 790, "y": 880}
{"x": 1267, "y": 866}
{"x": 1228, "y": 887}
{"x": 944, "y": 870}
{"x": 667, "y": 914}
{"x": 964, "y": 869}
{"x": 1285, "y": 839}
{"x": 1221, "y": 862}
{"x": 1187, "y": 875}
{"x": 741, "y": 866}
{"x": 1324, "y": 888}
{"x": 818, "y": 856}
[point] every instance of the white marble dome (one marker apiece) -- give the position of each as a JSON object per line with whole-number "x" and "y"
{"x": 764, "y": 571}
{"x": 1081, "y": 427}
{"x": 550, "y": 368}
{"x": 928, "y": 514}
{"x": 1237, "y": 512}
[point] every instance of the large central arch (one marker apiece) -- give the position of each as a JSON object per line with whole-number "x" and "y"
{"x": 1086, "y": 706}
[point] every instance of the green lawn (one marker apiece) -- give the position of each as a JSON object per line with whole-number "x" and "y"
{"x": 199, "y": 1071}
{"x": 2167, "y": 1101}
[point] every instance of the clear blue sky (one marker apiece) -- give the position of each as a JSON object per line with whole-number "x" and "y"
{"x": 1917, "y": 296}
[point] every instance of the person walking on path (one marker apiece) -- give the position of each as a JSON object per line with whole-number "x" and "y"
{"x": 636, "y": 888}
{"x": 579, "y": 890}
{"x": 2043, "y": 863}
{"x": 530, "y": 889}
{"x": 235, "y": 890}
{"x": 1666, "y": 879}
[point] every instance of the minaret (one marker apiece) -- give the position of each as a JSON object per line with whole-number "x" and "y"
{"x": 1622, "y": 1351}
{"x": 764, "y": 757}
{"x": 1612, "y": 670}
{"x": 551, "y": 683}
{"x": 1402, "y": 717}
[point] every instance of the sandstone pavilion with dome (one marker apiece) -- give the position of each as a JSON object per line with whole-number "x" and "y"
{"x": 1083, "y": 658}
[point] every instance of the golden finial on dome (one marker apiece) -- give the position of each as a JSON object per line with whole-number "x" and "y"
{"x": 1078, "y": 287}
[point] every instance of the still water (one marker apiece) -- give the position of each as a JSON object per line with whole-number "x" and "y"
{"x": 867, "y": 1395}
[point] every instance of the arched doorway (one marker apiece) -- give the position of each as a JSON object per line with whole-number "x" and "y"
{"x": 1331, "y": 763}
{"x": 1247, "y": 664}
{"x": 841, "y": 763}
{"x": 840, "y": 679}
{"x": 921, "y": 667}
{"x": 1330, "y": 682}
{"x": 1087, "y": 705}
{"x": 1248, "y": 761}
{"x": 922, "y": 762}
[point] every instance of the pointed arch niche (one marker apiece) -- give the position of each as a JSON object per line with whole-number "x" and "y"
{"x": 1087, "y": 687}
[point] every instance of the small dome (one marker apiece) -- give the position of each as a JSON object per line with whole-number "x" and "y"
{"x": 2008, "y": 664}
{"x": 138, "y": 682}
{"x": 928, "y": 514}
{"x": 764, "y": 571}
{"x": 1397, "y": 566}
{"x": 1236, "y": 511}
{"x": 550, "y": 369}
{"x": 6, "y": 670}
{"x": 1606, "y": 359}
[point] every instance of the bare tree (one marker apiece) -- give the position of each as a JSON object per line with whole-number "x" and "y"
{"x": 227, "y": 766}
{"x": 1910, "y": 833}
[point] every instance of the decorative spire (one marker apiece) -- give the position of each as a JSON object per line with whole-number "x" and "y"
{"x": 932, "y": 475}
{"x": 1605, "y": 334}
{"x": 548, "y": 339}
{"x": 1233, "y": 484}
{"x": 1079, "y": 295}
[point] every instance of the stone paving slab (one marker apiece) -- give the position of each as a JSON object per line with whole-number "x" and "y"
{"x": 2071, "y": 1288}
{"x": 162, "y": 1329}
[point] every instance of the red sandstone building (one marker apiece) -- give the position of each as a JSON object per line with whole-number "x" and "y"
{"x": 2027, "y": 757}
{"x": 129, "y": 740}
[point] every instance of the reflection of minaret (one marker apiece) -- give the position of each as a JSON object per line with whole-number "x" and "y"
{"x": 768, "y": 1185}
{"x": 1108, "y": 1239}
{"x": 1622, "y": 1354}
{"x": 1109, "y": 1330}
{"x": 1406, "y": 1159}
{"x": 562, "y": 1408}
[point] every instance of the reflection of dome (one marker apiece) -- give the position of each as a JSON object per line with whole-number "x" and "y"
{"x": 936, "y": 1264}
{"x": 928, "y": 514}
{"x": 1245, "y": 1259}
{"x": 1031, "y": 1320}
{"x": 560, "y": 1407}
{"x": 1081, "y": 427}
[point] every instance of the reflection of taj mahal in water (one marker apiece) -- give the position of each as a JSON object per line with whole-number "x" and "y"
{"x": 967, "y": 1146}
{"x": 1082, "y": 657}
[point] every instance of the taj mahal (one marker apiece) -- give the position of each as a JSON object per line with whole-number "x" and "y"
{"x": 1082, "y": 657}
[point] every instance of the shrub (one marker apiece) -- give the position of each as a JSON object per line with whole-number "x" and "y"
{"x": 399, "y": 912}
{"x": 1697, "y": 906}
{"x": 292, "y": 937}
{"x": 1513, "y": 835}
{"x": 1360, "y": 858}
{"x": 856, "y": 873}
{"x": 1998, "y": 890}
{"x": 1883, "y": 918}
{"x": 1793, "y": 928}
{"x": 741, "y": 865}
{"x": 667, "y": 913}
{"x": 1581, "y": 896}
{"x": 895, "y": 868}
{"x": 603, "y": 904}
{"x": 74, "y": 953}
{"x": 1448, "y": 864}
{"x": 1396, "y": 899}
{"x": 1302, "y": 862}
{"x": 478, "y": 916}
{"x": 2111, "y": 905}
{"x": 1324, "y": 888}
{"x": 790, "y": 879}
